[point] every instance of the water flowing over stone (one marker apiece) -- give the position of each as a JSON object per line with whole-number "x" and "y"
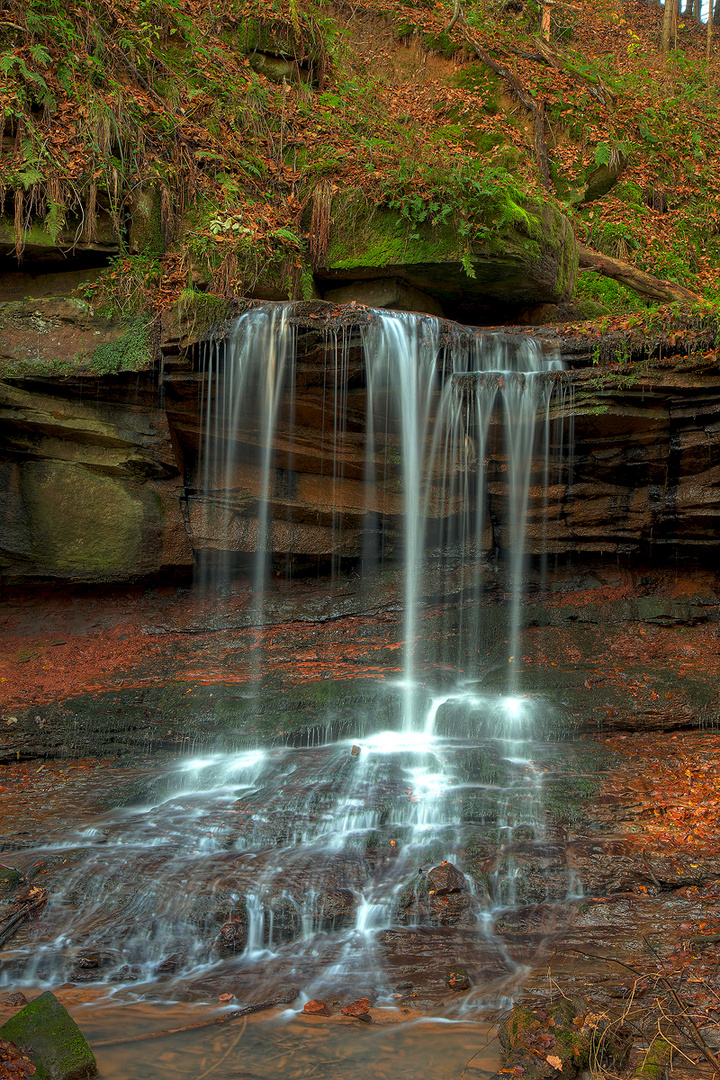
{"x": 324, "y": 866}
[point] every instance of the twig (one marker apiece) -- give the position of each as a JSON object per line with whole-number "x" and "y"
{"x": 189, "y": 1027}
{"x": 29, "y": 907}
{"x": 694, "y": 1032}
{"x": 455, "y": 16}
{"x": 226, "y": 1054}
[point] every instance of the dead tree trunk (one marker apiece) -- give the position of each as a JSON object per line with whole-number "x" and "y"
{"x": 664, "y": 292}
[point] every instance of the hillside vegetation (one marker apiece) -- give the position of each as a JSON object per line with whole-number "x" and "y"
{"x": 216, "y": 145}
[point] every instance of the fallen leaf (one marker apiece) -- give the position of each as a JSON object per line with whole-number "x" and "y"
{"x": 554, "y": 1060}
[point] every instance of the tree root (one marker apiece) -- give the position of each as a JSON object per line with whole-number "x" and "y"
{"x": 535, "y": 108}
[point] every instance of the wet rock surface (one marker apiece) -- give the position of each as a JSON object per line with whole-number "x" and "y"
{"x": 632, "y": 841}
{"x": 90, "y": 451}
{"x": 118, "y": 673}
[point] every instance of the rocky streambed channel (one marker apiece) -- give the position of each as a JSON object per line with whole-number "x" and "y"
{"x": 610, "y": 884}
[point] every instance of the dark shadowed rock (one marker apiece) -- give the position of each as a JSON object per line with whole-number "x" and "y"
{"x": 232, "y": 937}
{"x": 445, "y": 879}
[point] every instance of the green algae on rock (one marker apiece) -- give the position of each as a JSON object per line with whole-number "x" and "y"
{"x": 56, "y": 1044}
{"x": 530, "y": 259}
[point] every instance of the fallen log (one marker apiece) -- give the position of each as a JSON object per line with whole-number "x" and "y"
{"x": 23, "y": 907}
{"x": 664, "y": 292}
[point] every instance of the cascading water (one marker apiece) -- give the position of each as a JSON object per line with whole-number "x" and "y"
{"x": 307, "y": 866}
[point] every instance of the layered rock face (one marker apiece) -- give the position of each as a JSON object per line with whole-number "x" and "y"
{"x": 100, "y": 479}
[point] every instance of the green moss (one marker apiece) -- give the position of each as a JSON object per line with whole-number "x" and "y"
{"x": 131, "y": 352}
{"x": 80, "y": 521}
{"x": 442, "y": 43}
{"x": 198, "y": 311}
{"x": 147, "y": 236}
{"x": 260, "y": 35}
{"x": 57, "y": 1046}
{"x": 9, "y": 878}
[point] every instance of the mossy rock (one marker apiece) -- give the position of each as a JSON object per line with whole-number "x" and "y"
{"x": 41, "y": 243}
{"x": 565, "y": 1030}
{"x": 530, "y": 260}
{"x": 10, "y": 878}
{"x": 67, "y": 521}
{"x": 55, "y": 1043}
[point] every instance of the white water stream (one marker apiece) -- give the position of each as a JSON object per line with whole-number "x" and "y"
{"x": 316, "y": 858}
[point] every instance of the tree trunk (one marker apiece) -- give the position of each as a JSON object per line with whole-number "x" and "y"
{"x": 667, "y": 25}
{"x": 708, "y": 42}
{"x": 664, "y": 292}
{"x": 545, "y": 23}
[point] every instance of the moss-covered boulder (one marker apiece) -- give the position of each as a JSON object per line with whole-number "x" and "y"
{"x": 559, "y": 1040}
{"x": 55, "y": 1043}
{"x": 10, "y": 878}
{"x": 91, "y": 488}
{"x": 529, "y": 259}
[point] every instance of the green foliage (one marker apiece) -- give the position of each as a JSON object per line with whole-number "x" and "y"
{"x": 602, "y": 154}
{"x": 131, "y": 352}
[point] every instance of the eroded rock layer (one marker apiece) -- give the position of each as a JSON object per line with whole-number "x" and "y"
{"x": 100, "y": 471}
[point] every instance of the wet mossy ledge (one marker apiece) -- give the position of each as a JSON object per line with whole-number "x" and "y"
{"x": 524, "y": 255}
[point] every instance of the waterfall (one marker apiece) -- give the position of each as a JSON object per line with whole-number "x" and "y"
{"x": 433, "y": 404}
{"x": 393, "y": 442}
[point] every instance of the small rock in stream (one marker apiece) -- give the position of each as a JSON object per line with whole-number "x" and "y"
{"x": 10, "y": 878}
{"x": 445, "y": 879}
{"x": 457, "y": 979}
{"x": 355, "y": 750}
{"x": 359, "y": 1008}
{"x": 316, "y": 1008}
{"x": 14, "y": 999}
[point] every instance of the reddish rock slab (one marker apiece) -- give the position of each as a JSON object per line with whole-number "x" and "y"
{"x": 316, "y": 1008}
{"x": 357, "y": 1008}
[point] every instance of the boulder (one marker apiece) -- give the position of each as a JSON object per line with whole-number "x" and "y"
{"x": 530, "y": 259}
{"x": 275, "y": 68}
{"x": 445, "y": 879}
{"x": 55, "y": 1043}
